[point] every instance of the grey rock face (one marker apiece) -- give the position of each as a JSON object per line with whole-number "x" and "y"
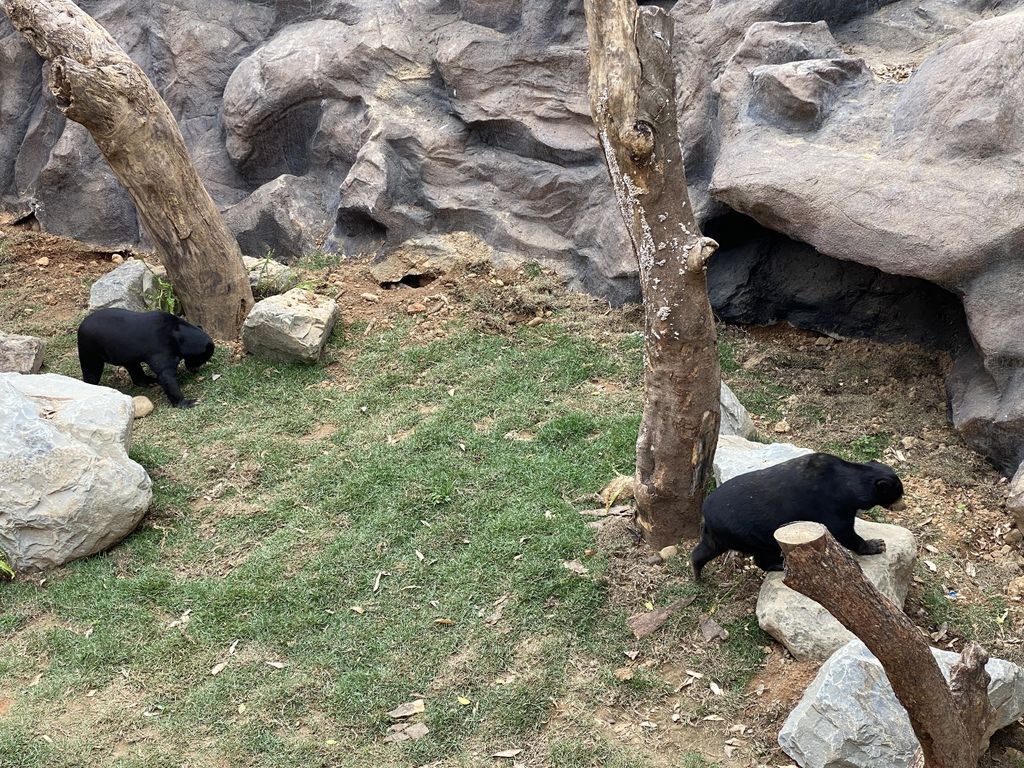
{"x": 129, "y": 286}
{"x": 854, "y": 185}
{"x": 735, "y": 418}
{"x": 850, "y": 718}
{"x": 761, "y": 277}
{"x": 67, "y": 486}
{"x": 21, "y": 354}
{"x": 736, "y": 456}
{"x": 354, "y": 126}
{"x": 292, "y": 327}
{"x": 809, "y": 631}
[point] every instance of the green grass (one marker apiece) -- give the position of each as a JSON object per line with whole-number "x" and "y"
{"x": 979, "y": 620}
{"x": 293, "y": 537}
{"x": 316, "y": 259}
{"x": 869, "y": 447}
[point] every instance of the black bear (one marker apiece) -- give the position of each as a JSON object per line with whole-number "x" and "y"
{"x": 743, "y": 513}
{"x": 158, "y": 339}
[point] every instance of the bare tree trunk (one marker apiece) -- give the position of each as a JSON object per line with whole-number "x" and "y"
{"x": 96, "y": 84}
{"x": 632, "y": 97}
{"x": 953, "y": 726}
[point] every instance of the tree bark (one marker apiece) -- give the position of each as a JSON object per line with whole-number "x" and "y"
{"x": 96, "y": 84}
{"x": 951, "y": 722}
{"x": 632, "y": 97}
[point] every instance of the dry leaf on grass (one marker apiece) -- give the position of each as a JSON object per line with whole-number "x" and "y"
{"x": 712, "y": 630}
{"x": 576, "y": 567}
{"x": 507, "y": 753}
{"x": 218, "y": 668}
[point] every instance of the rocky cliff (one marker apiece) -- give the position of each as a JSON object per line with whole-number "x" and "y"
{"x": 885, "y": 134}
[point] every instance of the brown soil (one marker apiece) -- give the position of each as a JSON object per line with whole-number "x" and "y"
{"x": 831, "y": 394}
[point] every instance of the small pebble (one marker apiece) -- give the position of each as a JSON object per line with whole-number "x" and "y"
{"x": 415, "y": 309}
{"x": 667, "y": 553}
{"x": 143, "y": 406}
{"x": 117, "y": 258}
{"x": 43, "y": 262}
{"x": 782, "y": 427}
{"x": 369, "y": 297}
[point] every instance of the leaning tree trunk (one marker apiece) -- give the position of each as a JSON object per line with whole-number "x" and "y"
{"x": 953, "y": 723}
{"x": 632, "y": 97}
{"x": 96, "y": 84}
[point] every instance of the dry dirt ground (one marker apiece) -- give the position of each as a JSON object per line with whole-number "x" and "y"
{"x": 848, "y": 396}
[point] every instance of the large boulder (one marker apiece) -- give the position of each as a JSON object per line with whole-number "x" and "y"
{"x": 21, "y": 354}
{"x": 132, "y": 285}
{"x": 808, "y": 631}
{"x": 292, "y": 327}
{"x": 850, "y": 718}
{"x": 67, "y": 486}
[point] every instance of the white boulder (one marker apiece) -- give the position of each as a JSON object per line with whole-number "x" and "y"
{"x": 292, "y": 327}
{"x": 808, "y": 631}
{"x": 20, "y": 354}
{"x": 67, "y": 486}
{"x": 850, "y": 718}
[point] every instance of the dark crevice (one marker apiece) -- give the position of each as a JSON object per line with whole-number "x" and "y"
{"x": 510, "y": 136}
{"x": 761, "y": 277}
{"x": 411, "y": 281}
{"x": 358, "y": 232}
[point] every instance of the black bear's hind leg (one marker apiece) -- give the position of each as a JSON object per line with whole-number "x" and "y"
{"x": 139, "y": 377}
{"x": 769, "y": 561}
{"x": 705, "y": 551}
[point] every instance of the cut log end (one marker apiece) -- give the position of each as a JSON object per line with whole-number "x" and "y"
{"x": 795, "y": 535}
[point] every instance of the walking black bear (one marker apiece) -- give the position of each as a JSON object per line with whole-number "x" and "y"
{"x": 744, "y": 512}
{"x": 158, "y": 339}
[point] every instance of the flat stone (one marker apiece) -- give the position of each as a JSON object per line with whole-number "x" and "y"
{"x": 21, "y": 354}
{"x": 850, "y": 718}
{"x": 736, "y": 456}
{"x": 292, "y": 327}
{"x": 68, "y": 486}
{"x": 419, "y": 261}
{"x": 807, "y": 630}
{"x": 142, "y": 406}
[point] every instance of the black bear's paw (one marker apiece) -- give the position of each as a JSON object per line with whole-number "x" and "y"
{"x": 184, "y": 403}
{"x": 873, "y": 547}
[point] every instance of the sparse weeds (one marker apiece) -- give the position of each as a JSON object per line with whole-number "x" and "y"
{"x": 162, "y": 296}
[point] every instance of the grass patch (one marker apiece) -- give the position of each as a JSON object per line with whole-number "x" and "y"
{"x": 980, "y": 621}
{"x": 364, "y": 564}
{"x": 862, "y": 448}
